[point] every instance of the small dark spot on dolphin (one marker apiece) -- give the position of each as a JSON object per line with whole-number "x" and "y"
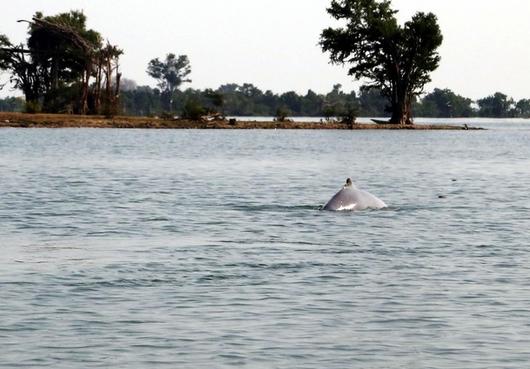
{"x": 441, "y": 196}
{"x": 454, "y": 179}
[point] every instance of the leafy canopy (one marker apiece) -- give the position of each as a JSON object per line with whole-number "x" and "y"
{"x": 170, "y": 73}
{"x": 61, "y": 44}
{"x": 497, "y": 105}
{"x": 4, "y": 43}
{"x": 396, "y": 59}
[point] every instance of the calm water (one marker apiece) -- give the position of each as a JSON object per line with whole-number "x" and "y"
{"x": 207, "y": 249}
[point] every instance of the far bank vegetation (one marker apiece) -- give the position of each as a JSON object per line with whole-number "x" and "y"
{"x": 64, "y": 67}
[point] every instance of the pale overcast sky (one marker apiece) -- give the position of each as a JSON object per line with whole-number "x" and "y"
{"x": 273, "y": 43}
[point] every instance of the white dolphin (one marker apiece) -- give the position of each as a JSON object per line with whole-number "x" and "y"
{"x": 353, "y": 199}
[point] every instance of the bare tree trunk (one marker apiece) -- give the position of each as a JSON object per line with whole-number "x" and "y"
{"x": 116, "y": 99}
{"x": 401, "y": 109}
{"x": 97, "y": 92}
{"x": 108, "y": 93}
{"x": 55, "y": 74}
{"x": 84, "y": 94}
{"x": 108, "y": 75}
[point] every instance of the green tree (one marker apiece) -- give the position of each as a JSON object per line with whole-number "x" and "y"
{"x": 372, "y": 103}
{"x": 55, "y": 68}
{"x": 291, "y": 102}
{"x": 334, "y": 102}
{"x": 396, "y": 59}
{"x": 446, "y": 104}
{"x": 523, "y": 108}
{"x": 61, "y": 48}
{"x": 4, "y": 57}
{"x": 312, "y": 104}
{"x": 271, "y": 102}
{"x": 170, "y": 74}
{"x": 216, "y": 99}
{"x": 15, "y": 104}
{"x": 193, "y": 109}
{"x": 4, "y": 44}
{"x": 24, "y": 74}
{"x": 340, "y": 104}
{"x": 497, "y": 105}
{"x": 143, "y": 101}
{"x": 282, "y": 113}
{"x": 349, "y": 112}
{"x": 249, "y": 90}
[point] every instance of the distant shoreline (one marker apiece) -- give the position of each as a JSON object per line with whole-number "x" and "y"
{"x": 23, "y": 120}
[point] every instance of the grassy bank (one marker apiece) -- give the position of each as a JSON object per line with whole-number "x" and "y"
{"x": 72, "y": 121}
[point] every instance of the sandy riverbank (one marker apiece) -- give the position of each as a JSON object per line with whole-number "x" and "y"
{"x": 22, "y": 120}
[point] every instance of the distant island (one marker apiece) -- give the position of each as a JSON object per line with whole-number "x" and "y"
{"x": 66, "y": 68}
{"x": 25, "y": 120}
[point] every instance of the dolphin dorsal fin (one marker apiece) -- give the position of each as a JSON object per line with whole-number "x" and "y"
{"x": 349, "y": 183}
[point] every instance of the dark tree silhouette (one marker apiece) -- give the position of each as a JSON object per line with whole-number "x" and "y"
{"x": 498, "y": 105}
{"x": 170, "y": 74}
{"x": 396, "y": 59}
{"x": 55, "y": 68}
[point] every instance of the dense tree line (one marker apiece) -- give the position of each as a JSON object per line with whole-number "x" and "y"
{"x": 248, "y": 100}
{"x": 14, "y": 104}
{"x": 239, "y": 100}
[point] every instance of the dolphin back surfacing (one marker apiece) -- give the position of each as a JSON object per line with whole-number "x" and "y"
{"x": 352, "y": 199}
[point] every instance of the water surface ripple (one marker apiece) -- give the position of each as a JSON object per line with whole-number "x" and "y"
{"x": 200, "y": 249}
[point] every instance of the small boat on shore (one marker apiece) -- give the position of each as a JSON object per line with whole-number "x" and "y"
{"x": 380, "y": 121}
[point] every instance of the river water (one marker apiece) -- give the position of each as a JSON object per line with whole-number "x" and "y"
{"x": 207, "y": 249}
